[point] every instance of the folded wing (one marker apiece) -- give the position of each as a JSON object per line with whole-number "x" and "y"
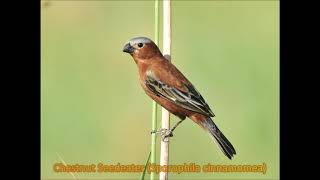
{"x": 190, "y": 99}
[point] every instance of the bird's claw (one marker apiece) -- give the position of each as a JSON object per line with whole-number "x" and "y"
{"x": 165, "y": 134}
{"x": 160, "y": 131}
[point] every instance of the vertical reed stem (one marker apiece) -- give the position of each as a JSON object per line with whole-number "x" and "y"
{"x": 154, "y": 104}
{"x": 164, "y": 152}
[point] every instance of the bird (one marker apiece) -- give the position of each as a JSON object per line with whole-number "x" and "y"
{"x": 165, "y": 84}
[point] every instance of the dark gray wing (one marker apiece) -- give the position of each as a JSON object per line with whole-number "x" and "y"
{"x": 191, "y": 100}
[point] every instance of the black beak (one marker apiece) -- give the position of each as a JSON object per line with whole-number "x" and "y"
{"x": 128, "y": 48}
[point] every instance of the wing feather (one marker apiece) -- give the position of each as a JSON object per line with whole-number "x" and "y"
{"x": 191, "y": 99}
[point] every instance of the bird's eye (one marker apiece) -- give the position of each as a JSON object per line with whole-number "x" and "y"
{"x": 140, "y": 45}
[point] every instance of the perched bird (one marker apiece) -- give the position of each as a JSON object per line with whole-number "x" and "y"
{"x": 166, "y": 85}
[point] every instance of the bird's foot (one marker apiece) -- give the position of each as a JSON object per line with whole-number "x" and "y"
{"x": 165, "y": 134}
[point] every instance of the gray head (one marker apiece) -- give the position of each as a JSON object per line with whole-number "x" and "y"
{"x": 137, "y": 40}
{"x": 141, "y": 48}
{"x": 136, "y": 43}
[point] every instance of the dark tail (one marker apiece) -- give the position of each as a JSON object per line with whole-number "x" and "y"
{"x": 224, "y": 144}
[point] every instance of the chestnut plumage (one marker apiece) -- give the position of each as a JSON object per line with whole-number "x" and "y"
{"x": 165, "y": 84}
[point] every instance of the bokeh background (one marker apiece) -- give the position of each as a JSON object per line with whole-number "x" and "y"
{"x": 94, "y": 110}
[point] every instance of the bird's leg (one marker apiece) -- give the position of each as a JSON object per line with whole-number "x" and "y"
{"x": 175, "y": 126}
{"x": 169, "y": 133}
{"x": 165, "y": 132}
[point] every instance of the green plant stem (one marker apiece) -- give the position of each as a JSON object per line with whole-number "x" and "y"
{"x": 153, "y": 137}
{"x": 145, "y": 168}
{"x": 154, "y": 104}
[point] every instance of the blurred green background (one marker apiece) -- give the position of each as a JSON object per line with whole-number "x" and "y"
{"x": 94, "y": 110}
